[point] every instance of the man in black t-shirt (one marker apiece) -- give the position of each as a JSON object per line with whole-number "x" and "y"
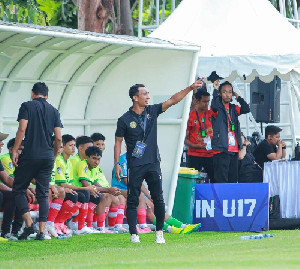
{"x": 38, "y": 120}
{"x": 138, "y": 126}
{"x": 271, "y": 148}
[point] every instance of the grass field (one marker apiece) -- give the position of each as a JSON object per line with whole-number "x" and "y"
{"x": 202, "y": 249}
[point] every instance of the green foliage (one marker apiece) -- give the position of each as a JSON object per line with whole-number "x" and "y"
{"x": 22, "y": 12}
{"x": 51, "y": 9}
{"x": 41, "y": 12}
{"x": 149, "y": 14}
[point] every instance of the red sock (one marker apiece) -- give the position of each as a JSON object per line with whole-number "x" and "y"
{"x": 80, "y": 205}
{"x": 141, "y": 216}
{"x": 90, "y": 215}
{"x": 120, "y": 216}
{"x": 82, "y": 215}
{"x": 71, "y": 213}
{"x": 54, "y": 209}
{"x": 112, "y": 216}
{"x": 66, "y": 211}
{"x": 95, "y": 218}
{"x": 100, "y": 219}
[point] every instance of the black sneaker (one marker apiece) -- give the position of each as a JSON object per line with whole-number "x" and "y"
{"x": 40, "y": 236}
{"x": 27, "y": 231}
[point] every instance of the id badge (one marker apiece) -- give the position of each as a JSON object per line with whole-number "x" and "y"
{"x": 139, "y": 149}
{"x": 207, "y": 141}
{"x": 231, "y": 140}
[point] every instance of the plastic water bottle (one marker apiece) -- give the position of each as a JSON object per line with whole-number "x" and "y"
{"x": 62, "y": 236}
{"x": 268, "y": 235}
{"x": 257, "y": 236}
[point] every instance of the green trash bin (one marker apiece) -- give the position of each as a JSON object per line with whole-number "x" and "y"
{"x": 185, "y": 195}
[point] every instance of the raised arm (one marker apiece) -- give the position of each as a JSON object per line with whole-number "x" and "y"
{"x": 177, "y": 97}
{"x": 245, "y": 108}
{"x": 216, "y": 103}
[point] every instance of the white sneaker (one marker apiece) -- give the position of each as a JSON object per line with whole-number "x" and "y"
{"x": 134, "y": 238}
{"x": 47, "y": 236}
{"x": 73, "y": 225}
{"x": 82, "y": 231}
{"x": 160, "y": 237}
{"x": 51, "y": 230}
{"x": 92, "y": 230}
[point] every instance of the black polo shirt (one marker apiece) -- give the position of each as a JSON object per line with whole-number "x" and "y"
{"x": 130, "y": 128}
{"x": 263, "y": 149}
{"x": 42, "y": 119}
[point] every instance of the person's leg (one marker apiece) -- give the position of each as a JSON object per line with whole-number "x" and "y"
{"x": 135, "y": 177}
{"x": 69, "y": 207}
{"x": 83, "y": 211}
{"x": 121, "y": 209}
{"x": 24, "y": 173}
{"x": 18, "y": 222}
{"x": 221, "y": 163}
{"x": 113, "y": 212}
{"x": 194, "y": 162}
{"x": 56, "y": 205}
{"x": 209, "y": 168}
{"x": 154, "y": 181}
{"x": 94, "y": 201}
{"x": 233, "y": 171}
{"x": 42, "y": 189}
{"x": 8, "y": 213}
{"x": 1, "y": 199}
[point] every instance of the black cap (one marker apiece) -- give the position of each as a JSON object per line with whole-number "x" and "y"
{"x": 213, "y": 76}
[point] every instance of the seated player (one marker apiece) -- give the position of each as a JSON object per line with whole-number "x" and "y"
{"x": 6, "y": 181}
{"x": 82, "y": 143}
{"x": 65, "y": 178}
{"x": 63, "y": 207}
{"x": 115, "y": 204}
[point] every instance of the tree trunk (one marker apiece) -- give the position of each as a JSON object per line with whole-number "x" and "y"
{"x": 93, "y": 14}
{"x": 125, "y": 18}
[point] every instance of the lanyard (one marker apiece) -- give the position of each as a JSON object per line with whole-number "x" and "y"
{"x": 142, "y": 125}
{"x": 231, "y": 124}
{"x": 203, "y": 133}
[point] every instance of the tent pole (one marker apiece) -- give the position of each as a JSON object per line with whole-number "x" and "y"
{"x": 157, "y": 13}
{"x": 186, "y": 111}
{"x": 141, "y": 7}
{"x": 248, "y": 101}
{"x": 173, "y": 5}
{"x": 292, "y": 116}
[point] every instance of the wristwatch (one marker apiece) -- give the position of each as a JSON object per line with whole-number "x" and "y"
{"x": 117, "y": 163}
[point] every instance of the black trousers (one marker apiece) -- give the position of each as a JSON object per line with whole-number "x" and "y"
{"x": 72, "y": 197}
{"x": 226, "y": 167}
{"x": 199, "y": 162}
{"x": 136, "y": 175}
{"x": 9, "y": 207}
{"x": 84, "y": 196}
{"x": 24, "y": 173}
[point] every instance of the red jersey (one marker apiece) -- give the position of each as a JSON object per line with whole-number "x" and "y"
{"x": 200, "y": 127}
{"x": 232, "y": 148}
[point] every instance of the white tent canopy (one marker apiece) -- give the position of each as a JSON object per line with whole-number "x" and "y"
{"x": 237, "y": 37}
{"x": 242, "y": 39}
{"x": 89, "y": 75}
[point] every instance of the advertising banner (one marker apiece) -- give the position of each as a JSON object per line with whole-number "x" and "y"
{"x": 232, "y": 207}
